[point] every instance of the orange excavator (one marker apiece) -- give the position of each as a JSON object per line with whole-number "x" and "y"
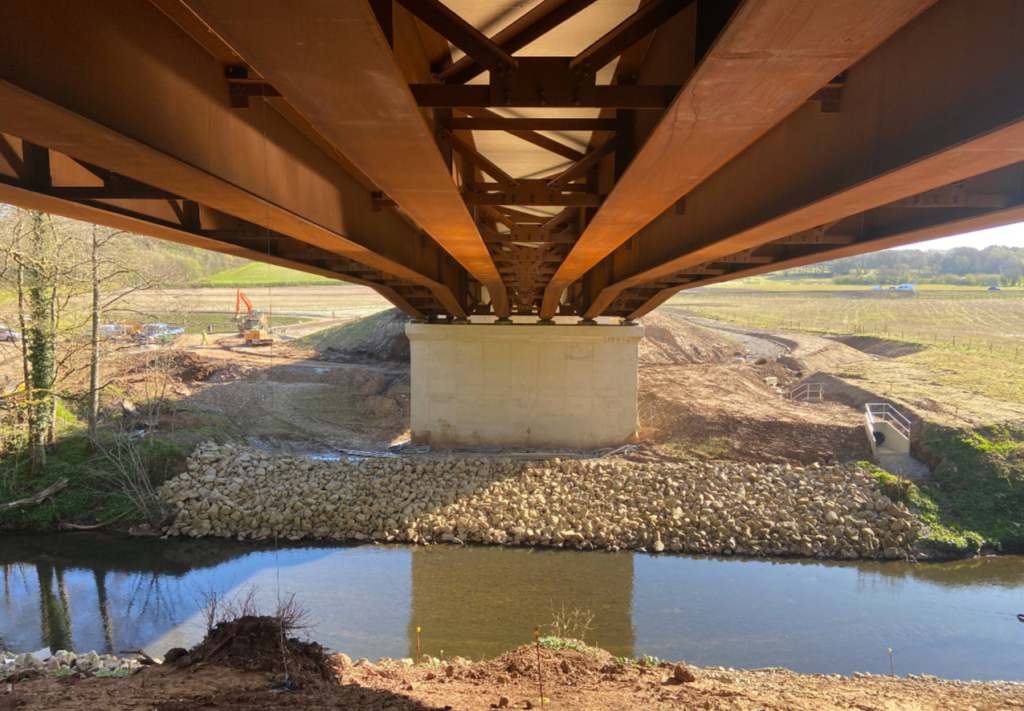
{"x": 253, "y": 326}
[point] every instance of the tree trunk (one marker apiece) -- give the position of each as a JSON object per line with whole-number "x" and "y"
{"x": 40, "y": 345}
{"x": 51, "y": 427}
{"x": 94, "y": 344}
{"x": 27, "y": 382}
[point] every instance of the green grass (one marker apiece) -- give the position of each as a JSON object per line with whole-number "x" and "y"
{"x": 560, "y": 643}
{"x": 340, "y": 337}
{"x": 85, "y": 498}
{"x": 259, "y": 274}
{"x": 646, "y": 660}
{"x": 976, "y": 496}
{"x": 90, "y": 497}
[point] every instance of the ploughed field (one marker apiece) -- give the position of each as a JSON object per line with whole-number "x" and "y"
{"x": 926, "y": 317}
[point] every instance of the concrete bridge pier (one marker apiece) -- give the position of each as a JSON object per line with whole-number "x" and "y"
{"x": 565, "y": 386}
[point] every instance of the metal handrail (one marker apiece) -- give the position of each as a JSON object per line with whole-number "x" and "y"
{"x": 806, "y": 390}
{"x": 886, "y": 412}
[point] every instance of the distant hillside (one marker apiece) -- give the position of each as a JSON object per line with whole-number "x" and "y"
{"x": 962, "y": 266}
{"x": 177, "y": 262}
{"x": 255, "y": 274}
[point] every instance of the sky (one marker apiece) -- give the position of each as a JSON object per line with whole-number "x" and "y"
{"x": 1005, "y": 236}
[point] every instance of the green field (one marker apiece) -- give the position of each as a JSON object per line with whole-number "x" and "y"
{"x": 979, "y": 321}
{"x": 972, "y": 343}
{"x": 797, "y": 283}
{"x": 259, "y": 274}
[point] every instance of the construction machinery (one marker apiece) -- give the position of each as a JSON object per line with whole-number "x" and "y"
{"x": 253, "y": 326}
{"x": 158, "y": 333}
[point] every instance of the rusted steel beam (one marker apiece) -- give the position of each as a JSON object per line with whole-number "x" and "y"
{"x": 630, "y": 31}
{"x": 262, "y": 153}
{"x": 944, "y": 118}
{"x": 528, "y": 135}
{"x": 371, "y": 117}
{"x": 615, "y": 96}
{"x": 463, "y": 35}
{"x": 993, "y": 218}
{"x": 384, "y": 11}
{"x": 107, "y": 215}
{"x": 30, "y": 118}
{"x": 493, "y": 122}
{"x": 581, "y": 167}
{"x": 770, "y": 58}
{"x": 199, "y": 31}
{"x": 535, "y": 23}
{"x": 532, "y": 193}
{"x": 475, "y": 157}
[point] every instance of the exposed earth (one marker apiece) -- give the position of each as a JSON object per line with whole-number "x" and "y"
{"x": 704, "y": 392}
{"x": 587, "y": 679}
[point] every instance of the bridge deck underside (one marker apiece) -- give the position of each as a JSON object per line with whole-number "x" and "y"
{"x": 573, "y": 157}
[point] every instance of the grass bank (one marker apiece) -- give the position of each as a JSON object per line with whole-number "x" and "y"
{"x": 976, "y": 495}
{"x": 258, "y": 274}
{"x": 105, "y": 486}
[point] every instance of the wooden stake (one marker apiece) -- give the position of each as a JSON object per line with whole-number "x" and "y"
{"x": 540, "y": 675}
{"x": 892, "y": 670}
{"x": 417, "y": 645}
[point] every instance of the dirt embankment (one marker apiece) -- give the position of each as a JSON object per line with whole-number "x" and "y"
{"x": 348, "y": 386}
{"x": 583, "y": 679}
{"x": 671, "y": 340}
{"x": 701, "y": 395}
{"x": 800, "y": 352}
{"x": 380, "y": 337}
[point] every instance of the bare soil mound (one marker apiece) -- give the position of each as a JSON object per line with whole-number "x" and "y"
{"x": 732, "y": 412}
{"x": 179, "y": 365}
{"x": 668, "y": 340}
{"x": 378, "y": 337}
{"x": 809, "y": 353}
{"x": 255, "y": 644}
{"x": 671, "y": 340}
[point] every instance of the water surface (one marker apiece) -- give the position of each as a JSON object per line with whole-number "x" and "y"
{"x": 955, "y": 620}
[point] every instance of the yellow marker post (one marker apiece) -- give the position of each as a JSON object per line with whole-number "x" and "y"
{"x": 417, "y": 645}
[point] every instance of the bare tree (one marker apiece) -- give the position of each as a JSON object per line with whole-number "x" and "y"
{"x": 66, "y": 275}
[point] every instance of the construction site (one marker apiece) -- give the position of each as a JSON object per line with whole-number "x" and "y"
{"x": 503, "y": 316}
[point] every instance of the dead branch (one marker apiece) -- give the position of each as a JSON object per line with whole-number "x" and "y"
{"x": 38, "y": 498}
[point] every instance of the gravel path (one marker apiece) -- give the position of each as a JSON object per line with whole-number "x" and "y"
{"x": 758, "y": 346}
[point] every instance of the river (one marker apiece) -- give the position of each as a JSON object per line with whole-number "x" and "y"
{"x": 955, "y": 620}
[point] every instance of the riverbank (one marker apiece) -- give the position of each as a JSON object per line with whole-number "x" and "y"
{"x": 834, "y": 511}
{"x": 582, "y": 679}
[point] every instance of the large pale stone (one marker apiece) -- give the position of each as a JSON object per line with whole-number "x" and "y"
{"x": 523, "y": 385}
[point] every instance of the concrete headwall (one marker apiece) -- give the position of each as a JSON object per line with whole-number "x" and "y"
{"x": 523, "y": 385}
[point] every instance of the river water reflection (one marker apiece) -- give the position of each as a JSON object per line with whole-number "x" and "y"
{"x": 956, "y": 620}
